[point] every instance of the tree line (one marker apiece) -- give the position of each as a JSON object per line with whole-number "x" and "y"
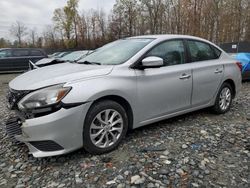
{"x": 219, "y": 21}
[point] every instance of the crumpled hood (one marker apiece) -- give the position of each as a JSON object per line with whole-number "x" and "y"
{"x": 56, "y": 74}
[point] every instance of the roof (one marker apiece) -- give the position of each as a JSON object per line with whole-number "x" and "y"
{"x": 174, "y": 36}
{"x": 167, "y": 36}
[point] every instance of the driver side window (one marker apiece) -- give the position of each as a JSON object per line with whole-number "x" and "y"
{"x": 172, "y": 52}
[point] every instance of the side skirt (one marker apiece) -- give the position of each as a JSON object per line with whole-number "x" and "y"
{"x": 173, "y": 115}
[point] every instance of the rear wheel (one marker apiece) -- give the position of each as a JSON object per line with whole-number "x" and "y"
{"x": 105, "y": 125}
{"x": 224, "y": 99}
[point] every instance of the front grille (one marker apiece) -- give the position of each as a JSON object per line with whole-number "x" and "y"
{"x": 14, "y": 96}
{"x": 46, "y": 146}
{"x": 13, "y": 128}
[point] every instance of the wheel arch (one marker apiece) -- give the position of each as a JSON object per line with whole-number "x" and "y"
{"x": 232, "y": 84}
{"x": 123, "y": 102}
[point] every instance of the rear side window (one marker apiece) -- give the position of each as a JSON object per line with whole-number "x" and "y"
{"x": 20, "y": 53}
{"x": 5, "y": 53}
{"x": 200, "y": 51}
{"x": 36, "y": 53}
{"x": 216, "y": 51}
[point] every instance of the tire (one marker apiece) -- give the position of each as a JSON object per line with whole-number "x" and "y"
{"x": 218, "y": 107}
{"x": 97, "y": 124}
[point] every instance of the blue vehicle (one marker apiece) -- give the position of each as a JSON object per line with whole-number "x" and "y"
{"x": 244, "y": 59}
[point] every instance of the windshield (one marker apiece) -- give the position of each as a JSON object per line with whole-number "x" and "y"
{"x": 74, "y": 56}
{"x": 116, "y": 52}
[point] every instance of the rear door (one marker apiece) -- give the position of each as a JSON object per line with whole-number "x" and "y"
{"x": 36, "y": 54}
{"x": 20, "y": 60}
{"x": 207, "y": 71}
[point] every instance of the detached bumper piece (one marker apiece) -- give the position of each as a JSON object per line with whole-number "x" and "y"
{"x": 13, "y": 128}
{"x": 46, "y": 146}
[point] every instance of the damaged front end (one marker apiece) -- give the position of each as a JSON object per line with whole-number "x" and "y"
{"x": 14, "y": 122}
{"x": 41, "y": 121}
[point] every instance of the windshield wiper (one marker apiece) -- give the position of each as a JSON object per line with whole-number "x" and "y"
{"x": 90, "y": 63}
{"x": 72, "y": 61}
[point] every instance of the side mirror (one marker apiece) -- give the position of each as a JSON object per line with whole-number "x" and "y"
{"x": 152, "y": 62}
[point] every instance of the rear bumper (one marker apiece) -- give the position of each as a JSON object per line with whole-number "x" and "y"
{"x": 54, "y": 134}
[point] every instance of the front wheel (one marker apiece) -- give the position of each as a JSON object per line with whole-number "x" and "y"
{"x": 223, "y": 100}
{"x": 106, "y": 124}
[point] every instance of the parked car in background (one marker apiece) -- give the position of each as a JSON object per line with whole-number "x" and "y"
{"x": 62, "y": 54}
{"x": 54, "y": 54}
{"x": 75, "y": 56}
{"x": 70, "y": 57}
{"x": 59, "y": 54}
{"x": 124, "y": 85}
{"x": 244, "y": 59}
{"x": 17, "y": 59}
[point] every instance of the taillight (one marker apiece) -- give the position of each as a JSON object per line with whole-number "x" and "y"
{"x": 239, "y": 65}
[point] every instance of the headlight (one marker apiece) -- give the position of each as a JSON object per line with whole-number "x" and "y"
{"x": 43, "y": 97}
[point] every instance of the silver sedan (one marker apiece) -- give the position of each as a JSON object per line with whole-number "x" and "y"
{"x": 123, "y": 85}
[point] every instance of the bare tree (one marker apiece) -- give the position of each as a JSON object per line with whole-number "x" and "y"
{"x": 33, "y": 36}
{"x": 18, "y": 30}
{"x": 216, "y": 20}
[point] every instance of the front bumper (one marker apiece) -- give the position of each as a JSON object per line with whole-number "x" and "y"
{"x": 54, "y": 134}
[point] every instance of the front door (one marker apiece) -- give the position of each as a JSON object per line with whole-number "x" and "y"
{"x": 167, "y": 89}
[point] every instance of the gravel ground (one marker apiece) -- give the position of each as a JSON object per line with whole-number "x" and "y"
{"x": 195, "y": 150}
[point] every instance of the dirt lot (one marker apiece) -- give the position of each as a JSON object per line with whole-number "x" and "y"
{"x": 195, "y": 150}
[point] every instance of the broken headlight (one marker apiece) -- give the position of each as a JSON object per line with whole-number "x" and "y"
{"x": 43, "y": 98}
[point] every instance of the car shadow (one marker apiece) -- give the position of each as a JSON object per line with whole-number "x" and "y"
{"x": 84, "y": 156}
{"x": 169, "y": 121}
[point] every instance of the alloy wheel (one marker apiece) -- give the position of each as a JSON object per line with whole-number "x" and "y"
{"x": 225, "y": 98}
{"x": 106, "y": 128}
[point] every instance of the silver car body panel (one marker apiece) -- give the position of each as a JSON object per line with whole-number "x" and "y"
{"x": 62, "y": 126}
{"x": 56, "y": 74}
{"x": 153, "y": 94}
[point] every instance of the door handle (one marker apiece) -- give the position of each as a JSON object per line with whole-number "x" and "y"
{"x": 185, "y": 76}
{"x": 218, "y": 71}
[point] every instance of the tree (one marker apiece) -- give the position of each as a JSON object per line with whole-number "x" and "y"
{"x": 65, "y": 19}
{"x": 50, "y": 38}
{"x": 155, "y": 10}
{"x": 33, "y": 37}
{"x": 4, "y": 43}
{"x": 124, "y": 18}
{"x": 219, "y": 21}
{"x": 18, "y": 30}
{"x": 72, "y": 15}
{"x": 246, "y": 29}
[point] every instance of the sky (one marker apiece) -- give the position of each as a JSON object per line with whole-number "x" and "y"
{"x": 38, "y": 13}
